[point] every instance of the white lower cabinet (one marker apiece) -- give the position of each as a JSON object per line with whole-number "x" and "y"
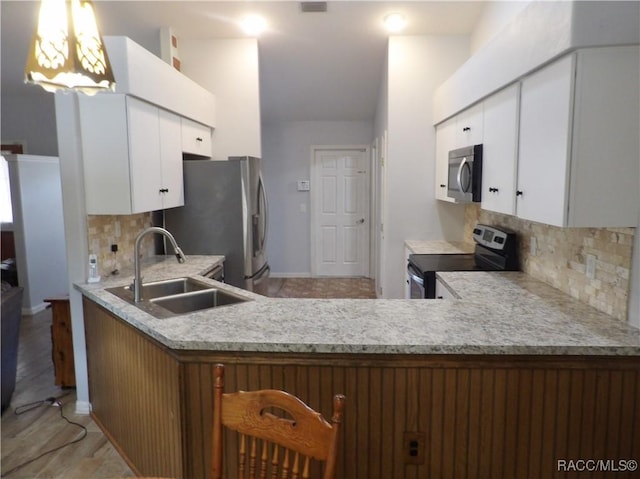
{"x": 407, "y": 280}
{"x": 132, "y": 155}
{"x": 500, "y": 151}
{"x": 442, "y": 292}
{"x": 579, "y": 149}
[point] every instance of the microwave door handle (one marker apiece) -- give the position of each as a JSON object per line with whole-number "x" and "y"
{"x": 463, "y": 163}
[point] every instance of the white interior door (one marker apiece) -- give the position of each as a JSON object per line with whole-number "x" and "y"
{"x": 340, "y": 206}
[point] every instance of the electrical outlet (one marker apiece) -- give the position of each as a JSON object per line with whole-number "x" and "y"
{"x": 591, "y": 266}
{"x": 413, "y": 447}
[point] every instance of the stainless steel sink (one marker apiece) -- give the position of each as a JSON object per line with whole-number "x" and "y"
{"x": 157, "y": 289}
{"x": 197, "y": 300}
{"x": 176, "y": 296}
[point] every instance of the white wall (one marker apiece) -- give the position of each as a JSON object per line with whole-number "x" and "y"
{"x": 495, "y": 17}
{"x": 229, "y": 69}
{"x": 30, "y": 118}
{"x": 41, "y": 260}
{"x": 417, "y": 65}
{"x": 287, "y": 158}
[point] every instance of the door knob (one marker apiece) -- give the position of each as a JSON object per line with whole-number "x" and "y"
{"x": 360, "y": 221}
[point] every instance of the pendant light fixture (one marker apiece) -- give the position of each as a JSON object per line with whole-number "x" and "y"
{"x": 67, "y": 51}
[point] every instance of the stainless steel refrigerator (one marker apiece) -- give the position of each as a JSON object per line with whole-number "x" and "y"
{"x": 225, "y": 213}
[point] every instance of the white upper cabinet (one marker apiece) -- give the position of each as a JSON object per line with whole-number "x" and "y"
{"x": 500, "y": 150}
{"x": 579, "y": 148}
{"x": 142, "y": 74}
{"x": 445, "y": 141}
{"x": 464, "y": 129}
{"x": 132, "y": 155}
{"x": 171, "y": 159}
{"x": 196, "y": 138}
{"x": 469, "y": 126}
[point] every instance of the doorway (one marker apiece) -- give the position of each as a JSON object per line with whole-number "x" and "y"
{"x": 340, "y": 211}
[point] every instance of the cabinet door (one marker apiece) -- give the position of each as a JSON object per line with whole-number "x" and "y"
{"x": 196, "y": 138}
{"x": 144, "y": 154}
{"x": 442, "y": 292}
{"x": 605, "y": 147}
{"x": 545, "y": 127}
{"x": 105, "y": 154}
{"x": 469, "y": 127}
{"x": 171, "y": 159}
{"x": 445, "y": 141}
{"x": 500, "y": 151}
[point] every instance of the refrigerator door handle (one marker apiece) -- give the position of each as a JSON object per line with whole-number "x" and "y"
{"x": 263, "y": 214}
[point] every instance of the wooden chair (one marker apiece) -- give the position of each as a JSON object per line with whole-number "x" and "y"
{"x": 269, "y": 444}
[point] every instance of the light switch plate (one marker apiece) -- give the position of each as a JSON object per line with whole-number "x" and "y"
{"x": 304, "y": 185}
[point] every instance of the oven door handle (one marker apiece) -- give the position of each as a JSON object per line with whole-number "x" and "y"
{"x": 414, "y": 276}
{"x": 416, "y": 279}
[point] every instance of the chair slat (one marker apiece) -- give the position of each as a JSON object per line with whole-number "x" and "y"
{"x": 305, "y": 470}
{"x": 242, "y": 457}
{"x": 275, "y": 462}
{"x": 264, "y": 460}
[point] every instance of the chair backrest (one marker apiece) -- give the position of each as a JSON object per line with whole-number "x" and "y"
{"x": 273, "y": 444}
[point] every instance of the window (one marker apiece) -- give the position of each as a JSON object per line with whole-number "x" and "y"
{"x": 6, "y": 212}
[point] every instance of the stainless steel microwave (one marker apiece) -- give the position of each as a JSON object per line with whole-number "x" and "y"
{"x": 465, "y": 174}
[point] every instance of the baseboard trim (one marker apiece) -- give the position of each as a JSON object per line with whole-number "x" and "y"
{"x": 34, "y": 309}
{"x": 83, "y": 407}
{"x": 290, "y": 275}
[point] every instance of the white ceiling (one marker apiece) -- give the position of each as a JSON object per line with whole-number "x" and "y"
{"x": 313, "y": 66}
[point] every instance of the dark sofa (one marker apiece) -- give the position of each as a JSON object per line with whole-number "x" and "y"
{"x": 10, "y": 315}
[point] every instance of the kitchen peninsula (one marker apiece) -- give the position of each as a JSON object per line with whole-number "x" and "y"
{"x": 489, "y": 386}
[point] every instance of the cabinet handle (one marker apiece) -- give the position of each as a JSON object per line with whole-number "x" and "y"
{"x": 493, "y": 190}
{"x": 439, "y": 297}
{"x": 198, "y": 139}
{"x": 443, "y": 186}
{"x": 466, "y": 128}
{"x": 519, "y": 193}
{"x": 164, "y": 190}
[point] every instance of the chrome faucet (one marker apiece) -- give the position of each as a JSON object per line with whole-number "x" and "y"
{"x": 137, "y": 279}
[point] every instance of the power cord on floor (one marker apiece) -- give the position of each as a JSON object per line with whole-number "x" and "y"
{"x": 51, "y": 401}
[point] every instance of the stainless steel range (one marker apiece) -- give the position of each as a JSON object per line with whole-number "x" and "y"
{"x": 496, "y": 250}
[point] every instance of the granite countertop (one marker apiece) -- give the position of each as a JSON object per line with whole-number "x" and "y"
{"x": 439, "y": 247}
{"x": 477, "y": 324}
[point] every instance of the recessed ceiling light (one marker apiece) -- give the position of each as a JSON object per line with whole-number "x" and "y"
{"x": 253, "y": 25}
{"x": 395, "y": 22}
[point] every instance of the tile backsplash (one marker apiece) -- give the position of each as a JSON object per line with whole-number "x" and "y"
{"x": 105, "y": 230}
{"x": 560, "y": 258}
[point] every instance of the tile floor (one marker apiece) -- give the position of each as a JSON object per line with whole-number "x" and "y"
{"x": 357, "y": 288}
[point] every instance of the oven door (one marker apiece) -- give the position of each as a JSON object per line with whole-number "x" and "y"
{"x": 416, "y": 283}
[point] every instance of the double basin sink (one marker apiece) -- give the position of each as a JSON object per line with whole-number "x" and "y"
{"x": 177, "y": 296}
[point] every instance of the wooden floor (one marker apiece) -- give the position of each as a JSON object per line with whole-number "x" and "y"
{"x": 31, "y": 433}
{"x": 28, "y": 435}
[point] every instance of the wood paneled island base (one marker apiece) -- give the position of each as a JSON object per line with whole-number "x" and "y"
{"x": 474, "y": 416}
